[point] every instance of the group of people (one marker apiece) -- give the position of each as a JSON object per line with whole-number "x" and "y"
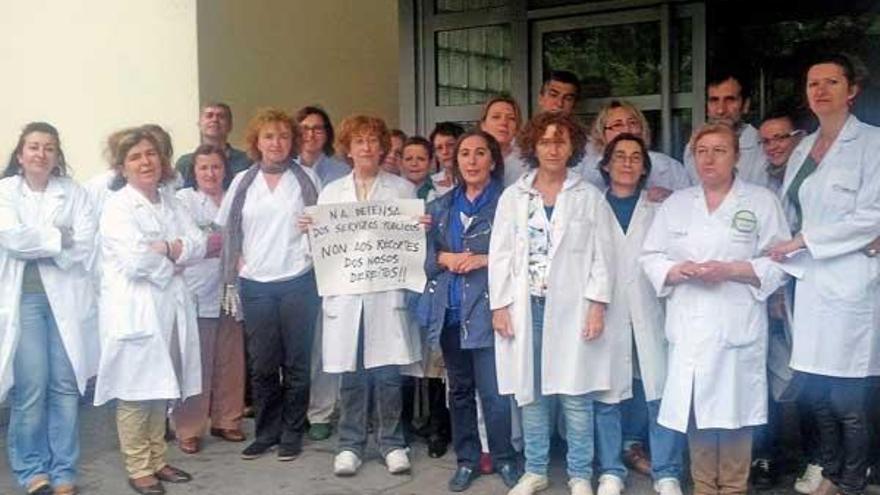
{"x": 578, "y": 284}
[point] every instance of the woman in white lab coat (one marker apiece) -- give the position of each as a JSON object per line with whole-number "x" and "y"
{"x": 634, "y": 325}
{"x": 220, "y": 336}
{"x": 548, "y": 285}
{"x": 48, "y": 340}
{"x": 703, "y": 253}
{"x": 266, "y": 260}
{"x": 832, "y": 194}
{"x": 618, "y": 117}
{"x": 149, "y": 336}
{"x": 368, "y": 337}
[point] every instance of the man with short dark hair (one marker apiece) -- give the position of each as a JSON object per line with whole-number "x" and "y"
{"x": 728, "y": 96}
{"x": 560, "y": 92}
{"x": 215, "y": 124}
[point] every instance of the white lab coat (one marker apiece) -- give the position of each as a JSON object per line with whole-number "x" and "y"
{"x": 578, "y": 273}
{"x": 389, "y": 339}
{"x": 29, "y": 231}
{"x": 717, "y": 333}
{"x": 203, "y": 277}
{"x": 514, "y": 166}
{"x": 837, "y": 300}
{"x": 752, "y": 163}
{"x": 666, "y": 172}
{"x": 635, "y": 313}
{"x": 144, "y": 297}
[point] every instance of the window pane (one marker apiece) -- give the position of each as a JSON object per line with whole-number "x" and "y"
{"x": 617, "y": 60}
{"x": 542, "y": 4}
{"x": 682, "y": 126}
{"x": 682, "y": 55}
{"x": 472, "y": 64}
{"x": 451, "y": 6}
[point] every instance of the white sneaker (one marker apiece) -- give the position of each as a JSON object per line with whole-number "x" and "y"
{"x": 397, "y": 461}
{"x": 530, "y": 483}
{"x": 809, "y": 481}
{"x": 610, "y": 485}
{"x": 668, "y": 486}
{"x": 346, "y": 463}
{"x": 580, "y": 486}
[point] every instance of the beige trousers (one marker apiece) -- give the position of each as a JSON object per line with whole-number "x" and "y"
{"x": 720, "y": 460}
{"x": 141, "y": 428}
{"x": 223, "y": 375}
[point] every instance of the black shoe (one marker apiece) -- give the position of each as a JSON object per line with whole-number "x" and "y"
{"x": 509, "y": 473}
{"x": 463, "y": 478}
{"x": 762, "y": 474}
{"x": 255, "y": 449}
{"x": 288, "y": 452}
{"x": 437, "y": 446}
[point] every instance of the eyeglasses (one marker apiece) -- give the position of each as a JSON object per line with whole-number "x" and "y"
{"x": 634, "y": 159}
{"x": 316, "y": 129}
{"x": 779, "y": 138}
{"x": 621, "y": 126}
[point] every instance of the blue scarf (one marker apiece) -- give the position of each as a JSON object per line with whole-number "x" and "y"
{"x": 461, "y": 205}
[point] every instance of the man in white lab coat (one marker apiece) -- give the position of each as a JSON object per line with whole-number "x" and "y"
{"x": 728, "y": 97}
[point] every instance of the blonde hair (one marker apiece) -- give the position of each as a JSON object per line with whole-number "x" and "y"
{"x": 714, "y": 128}
{"x": 502, "y": 99}
{"x": 597, "y": 130}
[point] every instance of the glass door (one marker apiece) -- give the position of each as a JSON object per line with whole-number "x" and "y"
{"x": 652, "y": 57}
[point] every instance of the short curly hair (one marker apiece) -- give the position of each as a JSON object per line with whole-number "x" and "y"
{"x": 262, "y": 118}
{"x": 354, "y": 125}
{"x": 536, "y": 127}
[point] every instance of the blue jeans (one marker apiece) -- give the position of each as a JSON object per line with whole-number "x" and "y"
{"x": 472, "y": 371}
{"x": 43, "y": 433}
{"x": 383, "y": 385}
{"x": 537, "y": 420}
{"x": 667, "y": 446}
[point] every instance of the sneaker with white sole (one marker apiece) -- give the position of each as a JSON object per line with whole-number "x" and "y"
{"x": 668, "y": 486}
{"x": 346, "y": 463}
{"x": 397, "y": 461}
{"x": 809, "y": 481}
{"x": 580, "y": 486}
{"x": 530, "y": 483}
{"x": 610, "y": 484}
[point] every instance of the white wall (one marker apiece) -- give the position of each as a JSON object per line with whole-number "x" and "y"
{"x": 90, "y": 67}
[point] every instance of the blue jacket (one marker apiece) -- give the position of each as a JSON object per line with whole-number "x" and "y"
{"x": 476, "y": 317}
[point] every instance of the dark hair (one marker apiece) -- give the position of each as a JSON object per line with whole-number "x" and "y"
{"x": 420, "y": 141}
{"x": 608, "y": 155}
{"x": 219, "y": 104}
{"x": 446, "y": 129}
{"x": 307, "y": 110}
{"x": 494, "y": 151}
{"x": 845, "y": 62}
{"x": 13, "y": 167}
{"x": 565, "y": 77}
{"x": 206, "y": 150}
{"x": 534, "y": 130}
{"x": 718, "y": 75}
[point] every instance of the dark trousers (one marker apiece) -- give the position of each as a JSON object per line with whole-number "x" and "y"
{"x": 472, "y": 371}
{"x": 382, "y": 386}
{"x": 438, "y": 415}
{"x": 279, "y": 329}
{"x": 840, "y": 410}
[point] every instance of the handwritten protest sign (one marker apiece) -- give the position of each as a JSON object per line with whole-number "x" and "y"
{"x": 368, "y": 246}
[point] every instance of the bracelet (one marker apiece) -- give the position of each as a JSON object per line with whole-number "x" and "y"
{"x": 168, "y": 251}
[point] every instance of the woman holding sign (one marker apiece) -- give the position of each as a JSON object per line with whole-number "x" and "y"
{"x": 367, "y": 337}
{"x": 704, "y": 254}
{"x": 267, "y": 258}
{"x": 455, "y": 306}
{"x": 548, "y": 286}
